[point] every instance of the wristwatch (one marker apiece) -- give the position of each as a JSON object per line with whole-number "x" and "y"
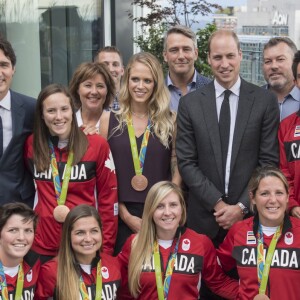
{"x": 244, "y": 208}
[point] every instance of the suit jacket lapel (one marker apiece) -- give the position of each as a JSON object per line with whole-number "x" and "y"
{"x": 246, "y": 100}
{"x": 211, "y": 120}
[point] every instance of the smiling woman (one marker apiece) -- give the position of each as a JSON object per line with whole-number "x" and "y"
{"x": 185, "y": 255}
{"x": 142, "y": 139}
{"x": 93, "y": 89}
{"x": 69, "y": 169}
{"x": 80, "y": 269}
{"x": 19, "y": 267}
{"x": 265, "y": 248}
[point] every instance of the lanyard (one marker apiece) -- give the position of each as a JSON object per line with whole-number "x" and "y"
{"x": 163, "y": 290}
{"x": 138, "y": 159}
{"x": 60, "y": 189}
{"x": 263, "y": 267}
{"x": 20, "y": 283}
{"x": 82, "y": 286}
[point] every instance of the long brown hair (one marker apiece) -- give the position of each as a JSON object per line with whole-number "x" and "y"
{"x": 77, "y": 139}
{"x": 67, "y": 286}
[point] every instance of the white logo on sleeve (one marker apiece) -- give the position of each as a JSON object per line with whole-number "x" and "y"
{"x": 109, "y": 163}
{"x": 186, "y": 244}
{"x": 289, "y": 238}
{"x": 104, "y": 272}
{"x": 29, "y": 276}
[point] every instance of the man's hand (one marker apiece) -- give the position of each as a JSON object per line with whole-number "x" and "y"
{"x": 228, "y": 215}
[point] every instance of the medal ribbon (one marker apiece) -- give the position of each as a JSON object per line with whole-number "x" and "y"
{"x": 20, "y": 283}
{"x": 60, "y": 189}
{"x": 263, "y": 267}
{"x": 138, "y": 159}
{"x": 163, "y": 290}
{"x": 83, "y": 289}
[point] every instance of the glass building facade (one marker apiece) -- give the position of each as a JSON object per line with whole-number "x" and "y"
{"x": 52, "y": 37}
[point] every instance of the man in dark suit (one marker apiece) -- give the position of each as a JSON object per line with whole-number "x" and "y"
{"x": 16, "y": 123}
{"x": 180, "y": 53}
{"x": 218, "y": 182}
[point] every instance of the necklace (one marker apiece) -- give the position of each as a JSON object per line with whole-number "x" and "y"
{"x": 139, "y": 116}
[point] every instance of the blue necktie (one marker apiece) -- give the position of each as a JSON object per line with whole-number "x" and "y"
{"x": 224, "y": 127}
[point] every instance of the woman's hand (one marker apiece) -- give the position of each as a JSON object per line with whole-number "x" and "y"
{"x": 90, "y": 130}
{"x": 133, "y": 222}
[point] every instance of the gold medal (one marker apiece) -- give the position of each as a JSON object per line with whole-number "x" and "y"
{"x": 139, "y": 182}
{"x": 60, "y": 213}
{"x": 261, "y": 297}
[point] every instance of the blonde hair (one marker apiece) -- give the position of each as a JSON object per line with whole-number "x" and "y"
{"x": 142, "y": 244}
{"x": 162, "y": 119}
{"x": 67, "y": 286}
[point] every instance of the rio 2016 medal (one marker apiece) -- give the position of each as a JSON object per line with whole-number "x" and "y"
{"x": 139, "y": 182}
{"x": 60, "y": 213}
{"x": 261, "y": 297}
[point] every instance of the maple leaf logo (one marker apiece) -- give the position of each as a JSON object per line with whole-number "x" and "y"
{"x": 109, "y": 163}
{"x": 288, "y": 235}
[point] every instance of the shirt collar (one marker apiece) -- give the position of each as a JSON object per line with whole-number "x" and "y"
{"x": 235, "y": 89}
{"x": 287, "y": 224}
{"x": 295, "y": 93}
{"x": 170, "y": 83}
{"x": 6, "y": 101}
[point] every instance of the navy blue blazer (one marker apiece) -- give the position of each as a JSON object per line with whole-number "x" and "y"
{"x": 16, "y": 184}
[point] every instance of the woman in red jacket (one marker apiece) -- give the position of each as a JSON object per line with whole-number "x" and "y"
{"x": 165, "y": 260}
{"x": 19, "y": 267}
{"x": 265, "y": 248}
{"x": 69, "y": 169}
{"x": 80, "y": 269}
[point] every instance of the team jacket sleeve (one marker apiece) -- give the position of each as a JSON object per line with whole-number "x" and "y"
{"x": 123, "y": 257}
{"x": 224, "y": 252}
{"x": 107, "y": 197}
{"x": 46, "y": 283}
{"x": 214, "y": 276}
{"x": 284, "y": 166}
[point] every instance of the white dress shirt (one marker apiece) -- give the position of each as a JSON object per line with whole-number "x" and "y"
{"x": 5, "y": 113}
{"x": 233, "y": 103}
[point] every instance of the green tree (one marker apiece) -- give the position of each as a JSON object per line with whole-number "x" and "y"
{"x": 173, "y": 12}
{"x": 156, "y": 23}
{"x": 203, "y": 35}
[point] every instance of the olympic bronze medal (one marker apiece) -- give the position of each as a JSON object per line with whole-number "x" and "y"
{"x": 139, "y": 182}
{"x": 261, "y": 297}
{"x": 60, "y": 213}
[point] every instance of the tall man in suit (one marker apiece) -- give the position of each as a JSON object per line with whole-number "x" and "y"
{"x": 16, "y": 123}
{"x": 217, "y": 174}
{"x": 180, "y": 53}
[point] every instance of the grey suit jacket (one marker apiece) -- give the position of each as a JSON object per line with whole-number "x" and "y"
{"x": 198, "y": 149}
{"x": 16, "y": 184}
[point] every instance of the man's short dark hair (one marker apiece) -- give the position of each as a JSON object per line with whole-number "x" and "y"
{"x": 8, "y": 50}
{"x": 295, "y": 64}
{"x": 280, "y": 39}
{"x": 112, "y": 49}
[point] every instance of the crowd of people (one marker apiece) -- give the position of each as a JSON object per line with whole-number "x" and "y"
{"x": 129, "y": 184}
